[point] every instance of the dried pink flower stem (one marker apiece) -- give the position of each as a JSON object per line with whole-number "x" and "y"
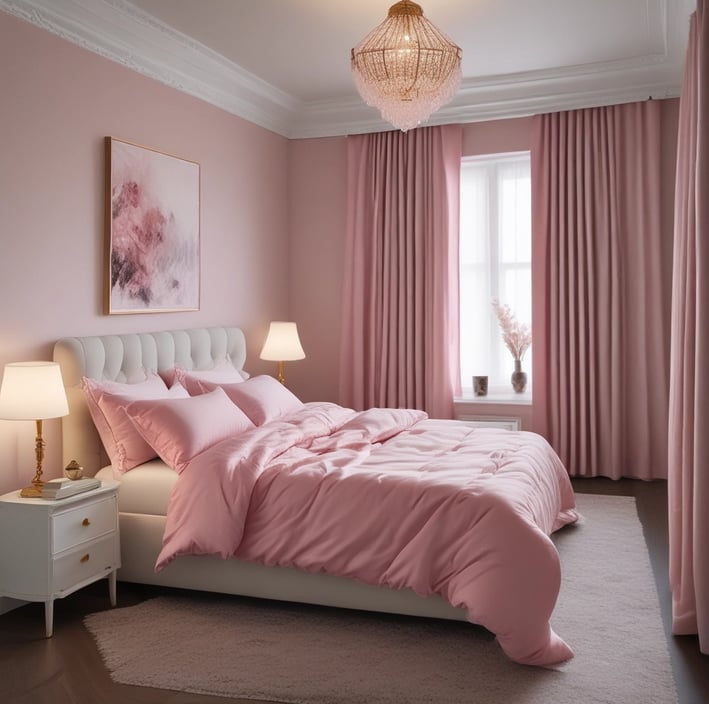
{"x": 517, "y": 336}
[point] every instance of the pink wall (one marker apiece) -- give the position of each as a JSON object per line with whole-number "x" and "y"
{"x": 318, "y": 183}
{"x": 497, "y": 136}
{"x": 58, "y": 103}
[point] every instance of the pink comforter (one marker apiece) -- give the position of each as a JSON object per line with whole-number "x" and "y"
{"x": 390, "y": 498}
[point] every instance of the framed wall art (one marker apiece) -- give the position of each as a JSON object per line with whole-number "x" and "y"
{"x": 152, "y": 231}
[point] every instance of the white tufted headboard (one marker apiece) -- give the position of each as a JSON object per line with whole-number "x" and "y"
{"x": 126, "y": 358}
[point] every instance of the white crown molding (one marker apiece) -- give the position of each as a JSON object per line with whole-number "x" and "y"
{"x": 510, "y": 96}
{"x": 121, "y": 32}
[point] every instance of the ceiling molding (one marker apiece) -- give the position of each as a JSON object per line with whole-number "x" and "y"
{"x": 119, "y": 31}
{"x": 502, "y": 97}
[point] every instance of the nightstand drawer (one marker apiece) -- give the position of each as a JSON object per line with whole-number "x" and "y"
{"x": 83, "y": 563}
{"x": 85, "y": 522}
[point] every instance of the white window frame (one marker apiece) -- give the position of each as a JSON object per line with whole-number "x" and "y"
{"x": 493, "y": 268}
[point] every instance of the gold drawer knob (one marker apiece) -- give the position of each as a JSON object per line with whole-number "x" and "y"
{"x": 85, "y": 558}
{"x": 86, "y": 522}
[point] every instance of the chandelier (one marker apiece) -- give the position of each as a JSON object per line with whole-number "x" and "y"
{"x": 406, "y": 67}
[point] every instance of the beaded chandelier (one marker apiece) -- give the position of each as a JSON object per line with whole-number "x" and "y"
{"x": 406, "y": 67}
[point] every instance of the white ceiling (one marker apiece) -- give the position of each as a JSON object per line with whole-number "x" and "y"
{"x": 284, "y": 64}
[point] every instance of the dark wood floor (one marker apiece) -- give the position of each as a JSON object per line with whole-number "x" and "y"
{"x": 67, "y": 668}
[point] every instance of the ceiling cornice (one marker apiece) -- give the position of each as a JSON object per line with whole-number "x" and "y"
{"x": 119, "y": 31}
{"x": 123, "y": 33}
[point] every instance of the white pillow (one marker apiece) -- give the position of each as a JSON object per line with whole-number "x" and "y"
{"x": 223, "y": 372}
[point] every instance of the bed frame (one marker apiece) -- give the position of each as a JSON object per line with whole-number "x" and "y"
{"x": 124, "y": 358}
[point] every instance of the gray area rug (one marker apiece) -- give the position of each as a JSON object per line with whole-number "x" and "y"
{"x": 607, "y": 611}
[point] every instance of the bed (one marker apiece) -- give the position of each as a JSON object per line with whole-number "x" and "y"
{"x": 147, "y": 490}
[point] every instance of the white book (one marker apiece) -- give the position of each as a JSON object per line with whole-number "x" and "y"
{"x": 62, "y": 488}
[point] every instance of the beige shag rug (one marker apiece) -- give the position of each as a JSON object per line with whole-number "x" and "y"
{"x": 249, "y": 649}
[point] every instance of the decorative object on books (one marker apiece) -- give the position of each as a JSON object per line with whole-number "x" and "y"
{"x": 64, "y": 487}
{"x": 152, "y": 230}
{"x": 480, "y": 385}
{"x": 33, "y": 391}
{"x": 73, "y": 470}
{"x": 282, "y": 345}
{"x": 517, "y": 338}
{"x": 406, "y": 67}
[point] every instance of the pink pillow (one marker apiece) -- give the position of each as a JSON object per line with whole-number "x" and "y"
{"x": 180, "y": 429}
{"x": 107, "y": 401}
{"x": 222, "y": 373}
{"x": 262, "y": 398}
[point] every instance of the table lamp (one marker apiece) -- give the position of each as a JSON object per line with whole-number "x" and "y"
{"x": 33, "y": 391}
{"x": 282, "y": 345}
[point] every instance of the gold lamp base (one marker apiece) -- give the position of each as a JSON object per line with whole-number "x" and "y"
{"x": 34, "y": 491}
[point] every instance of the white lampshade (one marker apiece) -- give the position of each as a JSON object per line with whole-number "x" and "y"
{"x": 282, "y": 343}
{"x": 32, "y": 391}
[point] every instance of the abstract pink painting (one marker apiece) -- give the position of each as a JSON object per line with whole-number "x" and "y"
{"x": 152, "y": 216}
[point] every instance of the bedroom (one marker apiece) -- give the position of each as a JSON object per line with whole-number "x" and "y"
{"x": 270, "y": 206}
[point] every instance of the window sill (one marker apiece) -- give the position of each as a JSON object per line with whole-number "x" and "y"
{"x": 509, "y": 398}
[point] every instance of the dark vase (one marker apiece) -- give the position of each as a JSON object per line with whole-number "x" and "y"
{"x": 519, "y": 378}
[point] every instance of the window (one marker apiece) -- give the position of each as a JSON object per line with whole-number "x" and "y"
{"x": 495, "y": 262}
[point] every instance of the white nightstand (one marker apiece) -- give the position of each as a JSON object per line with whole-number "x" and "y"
{"x": 49, "y": 549}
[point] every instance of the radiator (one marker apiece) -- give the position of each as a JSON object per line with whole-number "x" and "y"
{"x": 505, "y": 423}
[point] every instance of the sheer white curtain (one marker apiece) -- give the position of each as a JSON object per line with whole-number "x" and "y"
{"x": 495, "y": 262}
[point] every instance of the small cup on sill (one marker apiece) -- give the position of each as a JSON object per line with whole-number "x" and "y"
{"x": 480, "y": 385}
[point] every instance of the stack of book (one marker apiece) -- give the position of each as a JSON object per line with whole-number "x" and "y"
{"x": 62, "y": 488}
